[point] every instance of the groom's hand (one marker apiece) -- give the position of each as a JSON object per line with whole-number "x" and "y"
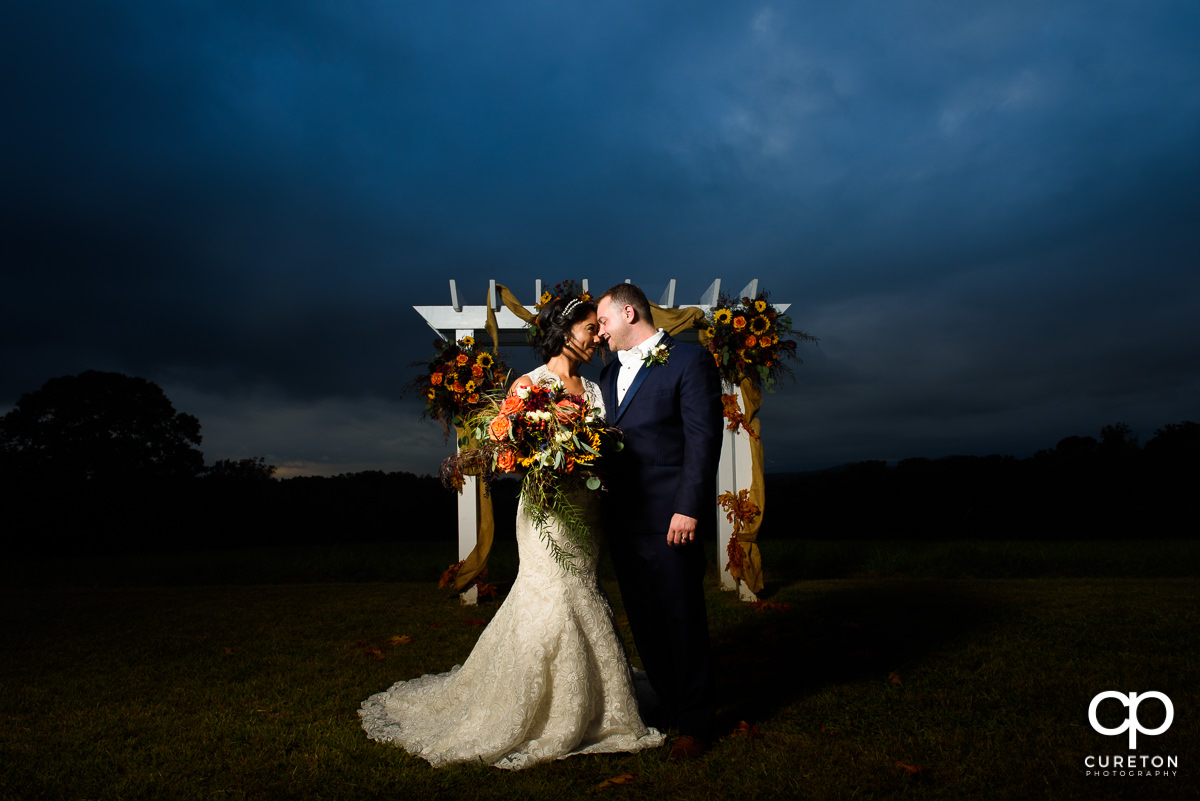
{"x": 683, "y": 530}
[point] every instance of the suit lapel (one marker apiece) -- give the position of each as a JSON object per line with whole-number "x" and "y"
{"x": 638, "y": 379}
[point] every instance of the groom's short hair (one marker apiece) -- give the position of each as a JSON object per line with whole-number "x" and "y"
{"x": 630, "y": 295}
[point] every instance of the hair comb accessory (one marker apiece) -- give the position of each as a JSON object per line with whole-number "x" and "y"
{"x": 570, "y": 307}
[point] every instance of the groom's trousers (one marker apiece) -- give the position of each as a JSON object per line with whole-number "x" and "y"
{"x": 662, "y": 588}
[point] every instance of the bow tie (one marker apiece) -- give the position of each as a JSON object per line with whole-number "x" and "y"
{"x": 631, "y": 357}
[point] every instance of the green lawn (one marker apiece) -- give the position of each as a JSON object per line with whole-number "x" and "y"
{"x": 875, "y": 686}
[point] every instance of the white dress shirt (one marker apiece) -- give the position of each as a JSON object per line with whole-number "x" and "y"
{"x": 631, "y": 362}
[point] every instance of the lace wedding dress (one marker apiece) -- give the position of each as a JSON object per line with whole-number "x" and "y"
{"x": 547, "y": 679}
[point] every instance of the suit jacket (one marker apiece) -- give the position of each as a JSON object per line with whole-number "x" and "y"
{"x": 672, "y": 423}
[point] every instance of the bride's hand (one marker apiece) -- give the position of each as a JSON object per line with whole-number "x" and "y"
{"x": 523, "y": 381}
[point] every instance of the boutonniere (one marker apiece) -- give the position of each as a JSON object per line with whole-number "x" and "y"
{"x": 657, "y": 355}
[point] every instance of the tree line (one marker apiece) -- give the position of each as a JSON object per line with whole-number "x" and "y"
{"x": 1105, "y": 487}
{"x": 102, "y": 462}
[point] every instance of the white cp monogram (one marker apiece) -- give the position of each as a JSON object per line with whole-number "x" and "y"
{"x": 1131, "y": 722}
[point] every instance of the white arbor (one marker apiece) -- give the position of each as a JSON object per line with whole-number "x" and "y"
{"x": 458, "y": 320}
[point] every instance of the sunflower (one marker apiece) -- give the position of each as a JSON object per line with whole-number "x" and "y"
{"x": 485, "y": 360}
{"x": 468, "y": 341}
{"x": 760, "y": 306}
{"x": 759, "y": 324}
{"x": 470, "y": 386}
{"x": 722, "y": 316}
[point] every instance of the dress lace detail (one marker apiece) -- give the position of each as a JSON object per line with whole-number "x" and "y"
{"x": 547, "y": 679}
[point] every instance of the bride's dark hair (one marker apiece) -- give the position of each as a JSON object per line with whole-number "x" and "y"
{"x": 554, "y": 324}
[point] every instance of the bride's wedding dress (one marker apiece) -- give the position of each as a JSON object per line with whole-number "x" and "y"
{"x": 547, "y": 679}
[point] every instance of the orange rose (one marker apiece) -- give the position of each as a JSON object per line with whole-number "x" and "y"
{"x": 751, "y": 341}
{"x": 436, "y": 379}
{"x": 507, "y": 460}
{"x": 500, "y": 427}
{"x": 512, "y": 404}
{"x": 567, "y": 410}
{"x": 476, "y": 371}
{"x": 474, "y": 398}
{"x": 461, "y": 359}
{"x": 764, "y": 341}
{"x": 739, "y": 322}
{"x": 457, "y": 387}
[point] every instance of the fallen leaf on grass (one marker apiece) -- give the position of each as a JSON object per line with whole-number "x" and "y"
{"x": 771, "y": 606}
{"x": 744, "y": 729}
{"x": 893, "y": 678}
{"x": 373, "y": 653}
{"x": 624, "y": 778}
{"x": 399, "y": 639}
{"x": 911, "y": 770}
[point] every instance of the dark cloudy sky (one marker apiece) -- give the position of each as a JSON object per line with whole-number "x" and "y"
{"x": 989, "y": 212}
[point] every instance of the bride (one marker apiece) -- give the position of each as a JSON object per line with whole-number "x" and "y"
{"x": 549, "y": 677}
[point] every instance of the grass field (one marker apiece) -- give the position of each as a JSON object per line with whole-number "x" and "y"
{"x": 238, "y": 676}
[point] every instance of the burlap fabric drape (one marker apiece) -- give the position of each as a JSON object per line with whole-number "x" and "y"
{"x": 476, "y": 561}
{"x": 752, "y": 571}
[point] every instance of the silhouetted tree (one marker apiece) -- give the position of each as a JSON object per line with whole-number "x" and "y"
{"x": 1176, "y": 441}
{"x": 254, "y": 468}
{"x": 1076, "y": 449}
{"x": 1117, "y": 440}
{"x": 99, "y": 425}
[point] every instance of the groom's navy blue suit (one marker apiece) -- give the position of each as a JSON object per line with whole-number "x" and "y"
{"x": 672, "y": 423}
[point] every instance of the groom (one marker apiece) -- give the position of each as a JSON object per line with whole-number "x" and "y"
{"x": 666, "y": 398}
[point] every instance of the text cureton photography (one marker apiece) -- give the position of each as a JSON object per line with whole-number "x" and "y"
{"x": 1126, "y": 765}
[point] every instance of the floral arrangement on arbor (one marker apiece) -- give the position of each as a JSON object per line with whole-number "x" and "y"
{"x": 458, "y": 379}
{"x": 740, "y": 511}
{"x": 749, "y": 338}
{"x": 733, "y": 414}
{"x": 552, "y": 436}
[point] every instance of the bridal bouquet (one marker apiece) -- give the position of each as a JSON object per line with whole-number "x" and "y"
{"x": 555, "y": 439}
